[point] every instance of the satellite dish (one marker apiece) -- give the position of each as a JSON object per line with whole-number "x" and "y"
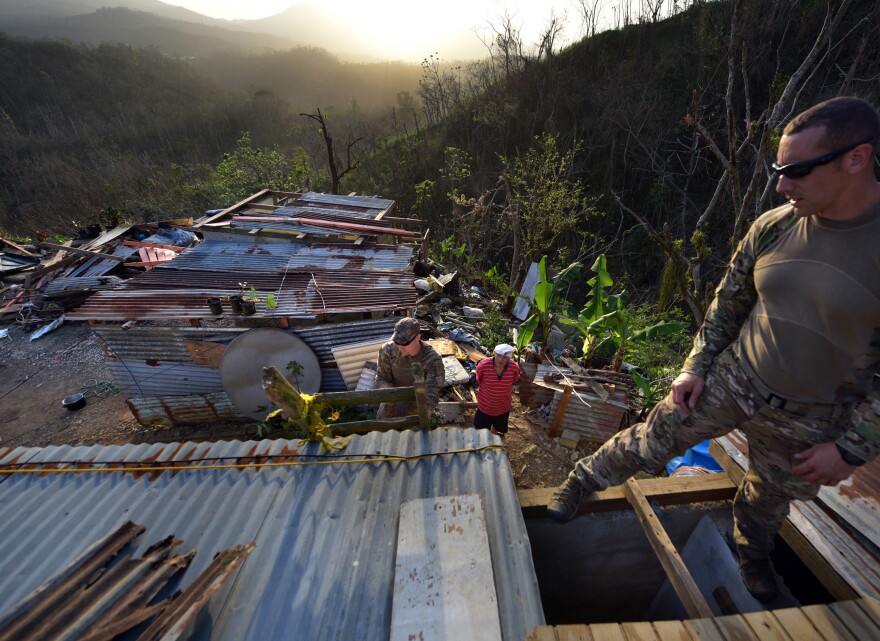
{"x": 241, "y": 369}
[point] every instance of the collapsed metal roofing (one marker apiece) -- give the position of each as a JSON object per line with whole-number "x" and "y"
{"x": 307, "y": 281}
{"x": 323, "y": 565}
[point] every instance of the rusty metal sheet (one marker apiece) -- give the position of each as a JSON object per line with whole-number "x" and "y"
{"x": 195, "y": 409}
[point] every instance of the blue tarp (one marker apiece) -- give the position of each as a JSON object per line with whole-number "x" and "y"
{"x": 697, "y": 456}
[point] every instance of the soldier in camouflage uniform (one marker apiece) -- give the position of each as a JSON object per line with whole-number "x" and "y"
{"x": 790, "y": 345}
{"x": 395, "y": 368}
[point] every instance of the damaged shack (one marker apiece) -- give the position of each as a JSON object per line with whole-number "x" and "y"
{"x": 335, "y": 268}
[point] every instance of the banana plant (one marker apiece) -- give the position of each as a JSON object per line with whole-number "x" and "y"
{"x": 549, "y": 297}
{"x": 617, "y": 323}
{"x": 596, "y": 307}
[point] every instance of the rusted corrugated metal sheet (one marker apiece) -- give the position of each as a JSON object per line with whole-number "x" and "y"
{"x": 590, "y": 417}
{"x": 323, "y": 564}
{"x": 87, "y": 599}
{"x": 196, "y": 409}
{"x": 301, "y": 296}
{"x": 307, "y": 281}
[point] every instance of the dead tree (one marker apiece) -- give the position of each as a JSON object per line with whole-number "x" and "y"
{"x": 338, "y": 167}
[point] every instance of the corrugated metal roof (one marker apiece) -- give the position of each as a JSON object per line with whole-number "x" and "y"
{"x": 323, "y": 566}
{"x": 307, "y": 281}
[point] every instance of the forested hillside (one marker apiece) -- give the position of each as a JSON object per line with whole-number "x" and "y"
{"x": 650, "y": 143}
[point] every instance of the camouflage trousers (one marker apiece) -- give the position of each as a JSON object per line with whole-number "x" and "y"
{"x": 397, "y": 410}
{"x": 728, "y": 401}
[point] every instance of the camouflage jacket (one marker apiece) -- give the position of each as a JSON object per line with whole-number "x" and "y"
{"x": 395, "y": 370}
{"x": 735, "y": 297}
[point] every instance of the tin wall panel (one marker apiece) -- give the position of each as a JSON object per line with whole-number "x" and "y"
{"x": 163, "y": 378}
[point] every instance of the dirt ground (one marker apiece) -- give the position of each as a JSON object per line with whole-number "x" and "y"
{"x": 36, "y": 376}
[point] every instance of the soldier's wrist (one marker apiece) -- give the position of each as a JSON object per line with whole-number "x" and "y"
{"x": 848, "y": 457}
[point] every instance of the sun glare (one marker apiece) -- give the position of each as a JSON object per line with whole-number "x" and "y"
{"x": 398, "y": 28}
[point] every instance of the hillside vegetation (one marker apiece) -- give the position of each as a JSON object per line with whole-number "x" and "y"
{"x": 649, "y": 143}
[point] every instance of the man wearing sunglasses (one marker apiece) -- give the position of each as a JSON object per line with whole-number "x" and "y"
{"x": 396, "y": 358}
{"x": 789, "y": 351}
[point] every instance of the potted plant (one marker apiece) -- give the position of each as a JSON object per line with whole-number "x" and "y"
{"x": 249, "y": 302}
{"x": 215, "y": 305}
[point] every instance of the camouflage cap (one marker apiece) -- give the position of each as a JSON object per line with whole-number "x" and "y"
{"x": 405, "y": 331}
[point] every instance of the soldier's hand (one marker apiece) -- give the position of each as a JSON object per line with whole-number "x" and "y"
{"x": 686, "y": 390}
{"x": 822, "y": 464}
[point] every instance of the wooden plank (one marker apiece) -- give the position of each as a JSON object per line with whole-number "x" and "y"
{"x": 205, "y": 352}
{"x": 672, "y": 631}
{"x": 4, "y": 241}
{"x": 703, "y": 630}
{"x": 421, "y": 396}
{"x": 444, "y": 585}
{"x": 573, "y": 633}
{"x": 796, "y": 624}
{"x": 766, "y": 627}
{"x": 872, "y": 607}
{"x": 237, "y": 205}
{"x": 828, "y": 625}
{"x": 560, "y": 411}
{"x": 735, "y": 628}
{"x": 639, "y": 631}
{"x": 376, "y": 425}
{"x": 543, "y": 633}
{"x": 856, "y": 619}
{"x": 679, "y": 576}
{"x": 607, "y": 632}
{"x": 81, "y": 252}
{"x": 664, "y": 491}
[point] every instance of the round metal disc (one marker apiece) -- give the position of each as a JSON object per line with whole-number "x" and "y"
{"x": 241, "y": 369}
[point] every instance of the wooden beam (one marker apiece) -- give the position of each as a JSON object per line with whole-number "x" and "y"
{"x": 679, "y": 576}
{"x": 81, "y": 252}
{"x": 560, "y": 411}
{"x": 364, "y": 397}
{"x": 376, "y": 425}
{"x": 664, "y": 491}
{"x": 237, "y": 205}
{"x": 421, "y": 396}
{"x": 52, "y": 266}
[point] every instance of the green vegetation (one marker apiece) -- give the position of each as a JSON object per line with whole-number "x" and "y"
{"x": 645, "y": 146}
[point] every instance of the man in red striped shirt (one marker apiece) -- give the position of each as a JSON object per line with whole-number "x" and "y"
{"x": 496, "y": 377}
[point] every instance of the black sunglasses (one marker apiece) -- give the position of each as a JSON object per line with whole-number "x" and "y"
{"x": 804, "y": 167}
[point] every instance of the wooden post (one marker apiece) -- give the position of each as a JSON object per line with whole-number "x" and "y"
{"x": 421, "y": 396}
{"x": 682, "y": 581}
{"x": 560, "y": 411}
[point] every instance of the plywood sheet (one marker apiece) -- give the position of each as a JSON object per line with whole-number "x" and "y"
{"x": 444, "y": 585}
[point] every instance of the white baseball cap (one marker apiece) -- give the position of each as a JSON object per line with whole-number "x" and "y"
{"x": 504, "y": 349}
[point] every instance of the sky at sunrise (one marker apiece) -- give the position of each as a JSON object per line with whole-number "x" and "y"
{"x": 404, "y": 27}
